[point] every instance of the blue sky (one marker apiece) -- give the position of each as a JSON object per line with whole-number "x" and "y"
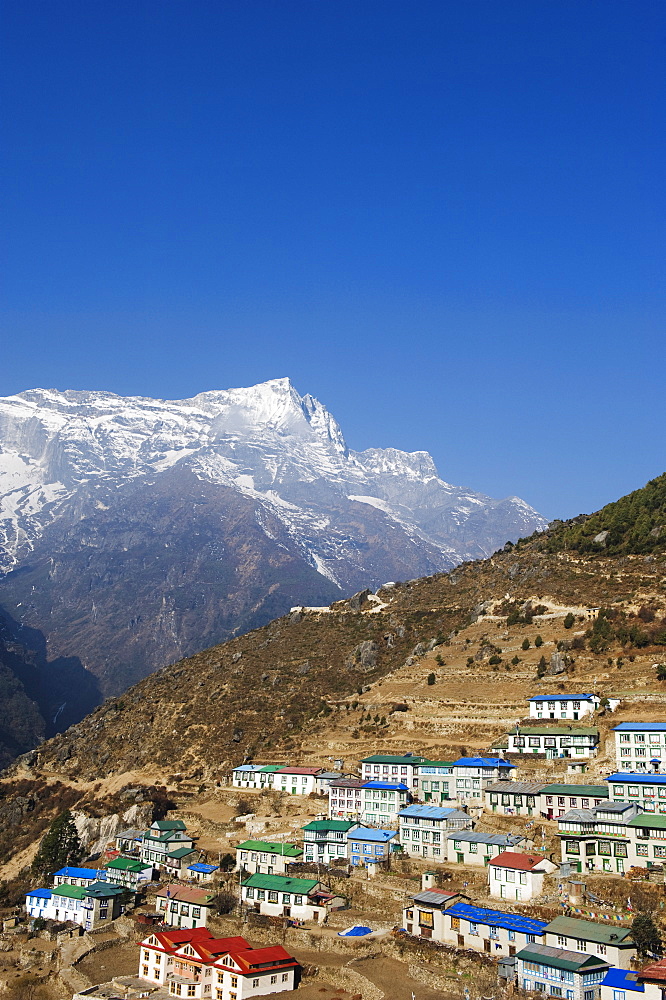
{"x": 444, "y": 219}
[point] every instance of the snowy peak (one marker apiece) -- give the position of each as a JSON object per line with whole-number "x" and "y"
{"x": 393, "y": 462}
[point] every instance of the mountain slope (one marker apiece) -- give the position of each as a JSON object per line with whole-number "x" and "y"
{"x": 136, "y": 531}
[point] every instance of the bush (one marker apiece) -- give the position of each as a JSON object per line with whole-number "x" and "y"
{"x": 538, "y": 641}
{"x": 569, "y": 621}
{"x": 526, "y": 644}
{"x": 515, "y": 661}
{"x": 542, "y": 666}
{"x": 495, "y": 660}
{"x": 431, "y": 679}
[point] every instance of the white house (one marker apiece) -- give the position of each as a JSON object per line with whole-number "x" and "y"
{"x": 559, "y": 972}
{"x": 424, "y": 914}
{"x": 556, "y": 799}
{"x": 382, "y": 801}
{"x": 345, "y": 800}
{"x": 264, "y": 857}
{"x": 555, "y": 741}
{"x": 253, "y": 775}
{"x": 469, "y": 847}
{"x": 325, "y": 840}
{"x": 367, "y": 845}
{"x": 128, "y": 872}
{"x": 647, "y": 789}
{"x": 598, "y": 839}
{"x": 434, "y": 781}
{"x": 424, "y": 829}
{"x": 193, "y": 964}
{"x": 518, "y": 876}
{"x": 513, "y": 798}
{"x": 473, "y": 775}
{"x": 392, "y": 767}
{"x": 296, "y": 780}
{"x": 280, "y": 896}
{"x": 89, "y": 906}
{"x": 619, "y": 984}
{"x": 162, "y": 839}
{"x": 491, "y": 932}
{"x": 70, "y": 875}
{"x": 640, "y": 746}
{"x": 607, "y": 941}
{"x": 563, "y": 706}
{"x": 184, "y": 906}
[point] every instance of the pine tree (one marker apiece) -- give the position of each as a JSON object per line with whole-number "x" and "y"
{"x": 60, "y": 846}
{"x": 646, "y": 935}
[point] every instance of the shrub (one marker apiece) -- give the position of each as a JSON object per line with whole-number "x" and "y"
{"x": 526, "y": 644}
{"x": 431, "y": 679}
{"x": 495, "y": 660}
{"x": 538, "y": 641}
{"x": 515, "y": 661}
{"x": 569, "y": 621}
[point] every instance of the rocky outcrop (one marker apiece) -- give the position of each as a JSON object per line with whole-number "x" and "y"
{"x": 96, "y": 832}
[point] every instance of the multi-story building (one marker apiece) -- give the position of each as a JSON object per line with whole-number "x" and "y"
{"x": 492, "y": 932}
{"x": 424, "y": 829}
{"x": 162, "y": 839}
{"x": 89, "y": 906}
{"x": 474, "y": 774}
{"x": 279, "y": 896}
{"x": 296, "y": 780}
{"x": 392, "y": 767}
{"x": 640, "y": 746}
{"x": 513, "y": 798}
{"x": 559, "y": 972}
{"x": 193, "y": 964}
{"x": 345, "y": 800}
{"x": 266, "y": 857}
{"x": 598, "y": 839}
{"x": 555, "y": 800}
{"x": 128, "y": 872}
{"x": 469, "y": 847}
{"x": 555, "y": 741}
{"x": 516, "y": 876}
{"x": 647, "y": 789}
{"x": 382, "y": 801}
{"x": 367, "y": 845}
{"x": 424, "y": 914}
{"x": 183, "y": 906}
{"x": 611, "y": 943}
{"x": 325, "y": 840}
{"x": 563, "y": 706}
{"x": 647, "y": 843}
{"x": 70, "y": 875}
{"x": 434, "y": 781}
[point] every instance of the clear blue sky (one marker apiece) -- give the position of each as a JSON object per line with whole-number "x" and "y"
{"x": 444, "y": 219}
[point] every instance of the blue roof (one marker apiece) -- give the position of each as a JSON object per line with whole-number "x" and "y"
{"x": 204, "y": 869}
{"x": 249, "y": 767}
{"x": 482, "y": 762}
{"x": 70, "y": 872}
{"x": 428, "y": 812}
{"x": 617, "y": 978}
{"x": 641, "y": 727}
{"x": 40, "y": 893}
{"x": 366, "y": 833}
{"x": 497, "y": 918}
{"x": 386, "y": 785}
{"x": 637, "y": 779}
{"x": 561, "y": 697}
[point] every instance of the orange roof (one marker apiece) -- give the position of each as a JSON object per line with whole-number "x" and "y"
{"x": 171, "y": 940}
{"x": 656, "y": 971}
{"x": 299, "y": 770}
{"x": 220, "y": 946}
{"x": 274, "y": 955}
{"x": 182, "y": 894}
{"x": 521, "y": 862}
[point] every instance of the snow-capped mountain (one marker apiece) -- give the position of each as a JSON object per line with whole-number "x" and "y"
{"x": 134, "y": 531}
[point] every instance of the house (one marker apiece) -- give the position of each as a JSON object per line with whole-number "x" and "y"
{"x": 648, "y": 789}
{"x": 345, "y": 800}
{"x": 264, "y": 857}
{"x": 424, "y": 914}
{"x": 513, "y": 798}
{"x": 473, "y": 775}
{"x": 253, "y": 775}
{"x": 618, "y": 984}
{"x": 208, "y": 968}
{"x": 653, "y": 979}
{"x": 176, "y": 862}
{"x": 640, "y": 746}
{"x": 556, "y": 799}
{"x": 77, "y": 876}
{"x": 184, "y": 906}
{"x": 555, "y": 741}
{"x": 382, "y": 801}
{"x": 563, "y": 706}
{"x": 492, "y": 932}
{"x": 162, "y": 840}
{"x": 611, "y": 943}
{"x": 518, "y": 876}
{"x": 128, "y": 872}
{"x": 366, "y": 844}
{"x": 128, "y": 841}
{"x": 392, "y": 767}
{"x": 325, "y": 840}
{"x": 647, "y": 843}
{"x": 296, "y": 780}
{"x": 280, "y": 896}
{"x": 559, "y": 972}
{"x": 201, "y": 872}
{"x": 89, "y": 906}
{"x": 424, "y": 829}
{"x": 433, "y": 781}
{"x": 468, "y": 847}
{"x": 597, "y": 839}
{"x": 324, "y": 779}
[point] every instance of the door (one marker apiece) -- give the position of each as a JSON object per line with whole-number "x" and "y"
{"x": 461, "y": 940}
{"x": 502, "y": 892}
{"x": 460, "y": 858}
{"x": 315, "y": 916}
{"x": 286, "y": 911}
{"x": 486, "y": 944}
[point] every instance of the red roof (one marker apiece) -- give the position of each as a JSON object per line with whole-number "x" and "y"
{"x": 253, "y": 957}
{"x": 298, "y": 770}
{"x": 521, "y": 862}
{"x": 220, "y": 946}
{"x": 656, "y": 971}
{"x": 183, "y": 894}
{"x": 177, "y": 938}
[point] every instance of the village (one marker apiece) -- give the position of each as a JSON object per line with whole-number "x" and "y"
{"x": 493, "y": 851}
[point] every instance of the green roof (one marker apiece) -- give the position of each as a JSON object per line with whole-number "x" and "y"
{"x": 379, "y": 758}
{"x": 649, "y": 821}
{"x": 127, "y": 865}
{"x": 286, "y": 850}
{"x": 438, "y": 763}
{"x": 102, "y": 890}
{"x": 547, "y": 955}
{"x": 586, "y": 930}
{"x": 72, "y": 891}
{"x": 558, "y": 731}
{"x": 270, "y": 768}
{"x": 168, "y": 824}
{"x": 282, "y": 883}
{"x": 594, "y": 791}
{"x": 341, "y": 825}
{"x": 181, "y": 853}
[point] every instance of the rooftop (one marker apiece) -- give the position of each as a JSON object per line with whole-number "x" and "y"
{"x": 559, "y": 958}
{"x": 558, "y": 731}
{"x": 434, "y": 897}
{"x": 71, "y": 872}
{"x": 521, "y": 862}
{"x": 517, "y": 787}
{"x": 266, "y": 847}
{"x": 562, "y": 697}
{"x": 40, "y": 893}
{"x": 127, "y": 865}
{"x": 482, "y": 762}
{"x": 495, "y": 839}
{"x": 182, "y": 894}
{"x": 431, "y": 812}
{"x": 367, "y": 833}
{"x": 334, "y": 825}
{"x": 299, "y": 770}
{"x": 623, "y": 979}
{"x": 282, "y": 883}
{"x": 386, "y": 785}
{"x": 649, "y": 821}
{"x": 586, "y": 930}
{"x": 638, "y": 779}
{"x": 641, "y": 727}
{"x": 406, "y": 758}
{"x": 497, "y": 918}
{"x": 202, "y": 868}
{"x": 655, "y": 972}
{"x": 591, "y": 791}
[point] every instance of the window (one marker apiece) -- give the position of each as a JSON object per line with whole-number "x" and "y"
{"x": 285, "y": 977}
{"x": 273, "y": 980}
{"x": 619, "y": 995}
{"x": 234, "y": 982}
{"x": 272, "y": 896}
{"x": 255, "y": 983}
